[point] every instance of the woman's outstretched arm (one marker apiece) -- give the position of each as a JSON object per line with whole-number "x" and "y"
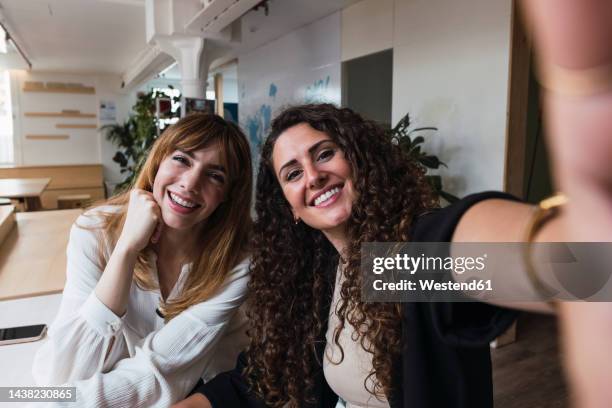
{"x": 573, "y": 45}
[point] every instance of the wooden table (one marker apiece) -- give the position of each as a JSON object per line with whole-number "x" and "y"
{"x": 26, "y": 190}
{"x": 33, "y": 254}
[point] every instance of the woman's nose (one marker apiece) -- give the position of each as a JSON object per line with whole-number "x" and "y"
{"x": 314, "y": 176}
{"x": 190, "y": 180}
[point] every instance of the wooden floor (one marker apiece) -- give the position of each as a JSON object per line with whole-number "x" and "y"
{"x": 528, "y": 373}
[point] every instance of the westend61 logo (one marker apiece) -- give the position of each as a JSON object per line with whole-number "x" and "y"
{"x": 411, "y": 264}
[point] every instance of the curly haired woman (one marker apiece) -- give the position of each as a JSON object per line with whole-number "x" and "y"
{"x": 329, "y": 181}
{"x": 156, "y": 275}
{"x": 415, "y": 355}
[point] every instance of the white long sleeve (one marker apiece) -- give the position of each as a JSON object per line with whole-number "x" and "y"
{"x": 135, "y": 360}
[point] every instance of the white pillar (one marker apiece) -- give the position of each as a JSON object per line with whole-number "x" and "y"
{"x": 190, "y": 54}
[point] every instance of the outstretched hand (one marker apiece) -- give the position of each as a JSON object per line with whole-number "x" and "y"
{"x": 574, "y": 59}
{"x": 574, "y": 50}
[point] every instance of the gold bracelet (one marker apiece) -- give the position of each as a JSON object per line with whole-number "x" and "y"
{"x": 546, "y": 210}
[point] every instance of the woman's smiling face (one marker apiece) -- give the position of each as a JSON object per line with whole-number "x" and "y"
{"x": 188, "y": 187}
{"x": 315, "y": 177}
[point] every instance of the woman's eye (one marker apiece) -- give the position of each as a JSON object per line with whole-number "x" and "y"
{"x": 326, "y": 154}
{"x": 292, "y": 174}
{"x": 217, "y": 177}
{"x": 180, "y": 159}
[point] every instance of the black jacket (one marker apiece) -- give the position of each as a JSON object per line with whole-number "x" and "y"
{"x": 445, "y": 359}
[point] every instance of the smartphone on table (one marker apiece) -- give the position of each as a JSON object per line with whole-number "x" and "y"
{"x": 22, "y": 334}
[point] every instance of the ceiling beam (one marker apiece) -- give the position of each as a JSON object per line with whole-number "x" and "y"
{"x": 151, "y": 61}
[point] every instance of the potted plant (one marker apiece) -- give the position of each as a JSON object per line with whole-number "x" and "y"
{"x": 403, "y": 136}
{"x": 136, "y": 135}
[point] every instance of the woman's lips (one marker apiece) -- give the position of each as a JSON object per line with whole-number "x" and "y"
{"x": 330, "y": 200}
{"x": 179, "y": 208}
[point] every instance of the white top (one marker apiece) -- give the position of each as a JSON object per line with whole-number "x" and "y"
{"x": 136, "y": 360}
{"x": 347, "y": 379}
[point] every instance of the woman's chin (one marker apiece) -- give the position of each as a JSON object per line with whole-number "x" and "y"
{"x": 335, "y": 224}
{"x": 176, "y": 222}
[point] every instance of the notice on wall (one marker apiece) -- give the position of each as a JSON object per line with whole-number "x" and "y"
{"x": 108, "y": 111}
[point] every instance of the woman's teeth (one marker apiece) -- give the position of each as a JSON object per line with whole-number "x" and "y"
{"x": 182, "y": 202}
{"x": 324, "y": 197}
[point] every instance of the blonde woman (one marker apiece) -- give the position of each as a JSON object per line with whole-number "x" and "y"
{"x": 156, "y": 275}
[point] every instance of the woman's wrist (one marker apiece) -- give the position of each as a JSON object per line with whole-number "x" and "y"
{"x": 548, "y": 212}
{"x": 113, "y": 288}
{"x": 124, "y": 249}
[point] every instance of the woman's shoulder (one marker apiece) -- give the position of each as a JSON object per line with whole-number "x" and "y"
{"x": 242, "y": 268}
{"x": 95, "y": 217}
{"x": 88, "y": 235}
{"x": 438, "y": 225}
{"x": 90, "y": 228}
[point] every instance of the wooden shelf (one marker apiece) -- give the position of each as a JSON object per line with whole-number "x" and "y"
{"x": 47, "y": 137}
{"x": 75, "y": 126}
{"x": 83, "y": 90}
{"x": 59, "y": 115}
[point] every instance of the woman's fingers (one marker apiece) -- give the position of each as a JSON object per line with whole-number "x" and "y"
{"x": 142, "y": 219}
{"x": 158, "y": 231}
{"x": 574, "y": 52}
{"x": 573, "y": 34}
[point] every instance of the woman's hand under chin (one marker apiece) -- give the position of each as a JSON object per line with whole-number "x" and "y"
{"x": 143, "y": 222}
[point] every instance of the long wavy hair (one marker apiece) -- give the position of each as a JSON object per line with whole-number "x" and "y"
{"x": 293, "y": 266}
{"x": 224, "y": 240}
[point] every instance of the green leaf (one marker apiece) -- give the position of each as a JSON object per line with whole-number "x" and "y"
{"x": 418, "y": 140}
{"x": 424, "y": 128}
{"x": 121, "y": 159}
{"x": 431, "y": 162}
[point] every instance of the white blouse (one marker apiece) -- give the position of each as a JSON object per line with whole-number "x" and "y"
{"x": 135, "y": 360}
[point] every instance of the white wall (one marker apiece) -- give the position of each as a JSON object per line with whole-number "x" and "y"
{"x": 108, "y": 89}
{"x": 367, "y": 27}
{"x": 302, "y": 66}
{"x": 450, "y": 70}
{"x": 84, "y": 146}
{"x": 230, "y": 90}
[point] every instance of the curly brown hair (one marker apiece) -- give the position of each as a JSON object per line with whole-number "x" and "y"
{"x": 293, "y": 266}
